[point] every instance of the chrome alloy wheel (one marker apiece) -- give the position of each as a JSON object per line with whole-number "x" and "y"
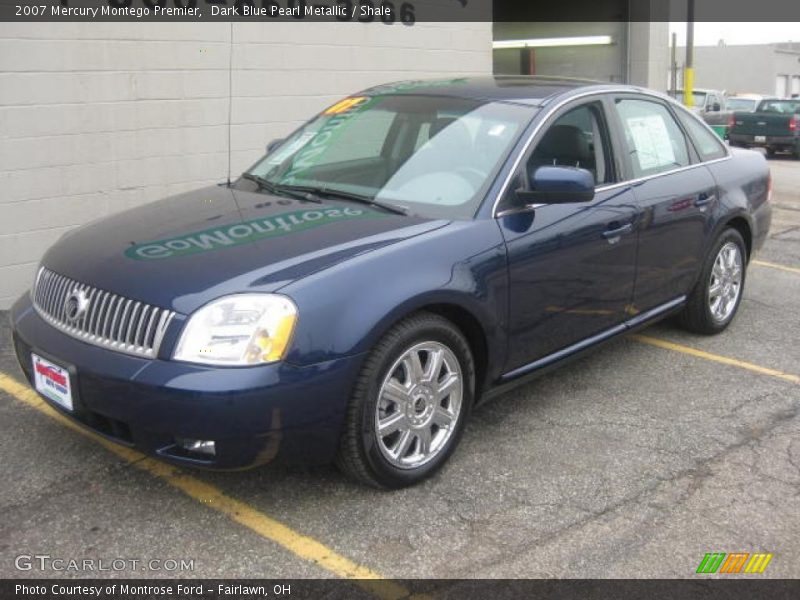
{"x": 725, "y": 283}
{"x": 418, "y": 405}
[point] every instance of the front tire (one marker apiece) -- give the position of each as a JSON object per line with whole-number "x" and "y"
{"x": 409, "y": 404}
{"x": 713, "y": 303}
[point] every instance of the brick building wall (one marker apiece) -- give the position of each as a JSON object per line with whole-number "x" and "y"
{"x": 99, "y": 117}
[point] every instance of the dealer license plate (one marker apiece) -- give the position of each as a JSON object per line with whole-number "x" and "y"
{"x": 52, "y": 381}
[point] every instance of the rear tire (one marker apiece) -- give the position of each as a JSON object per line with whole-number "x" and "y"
{"x": 715, "y": 300}
{"x": 770, "y": 153}
{"x": 409, "y": 404}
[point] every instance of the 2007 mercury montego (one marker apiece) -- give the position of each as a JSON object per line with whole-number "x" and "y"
{"x": 412, "y": 250}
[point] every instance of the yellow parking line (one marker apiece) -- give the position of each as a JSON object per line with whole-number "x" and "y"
{"x": 298, "y": 544}
{"x": 771, "y": 265}
{"x": 726, "y": 360}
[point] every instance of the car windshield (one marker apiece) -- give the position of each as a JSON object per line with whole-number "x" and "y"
{"x": 784, "y": 107}
{"x": 744, "y": 104}
{"x": 698, "y": 98}
{"x": 434, "y": 155}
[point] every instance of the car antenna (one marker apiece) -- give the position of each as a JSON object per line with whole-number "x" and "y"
{"x": 230, "y": 99}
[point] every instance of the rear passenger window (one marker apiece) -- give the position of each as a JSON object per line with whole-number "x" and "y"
{"x": 708, "y": 145}
{"x": 655, "y": 141}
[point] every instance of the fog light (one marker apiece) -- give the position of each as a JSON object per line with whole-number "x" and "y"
{"x": 199, "y": 446}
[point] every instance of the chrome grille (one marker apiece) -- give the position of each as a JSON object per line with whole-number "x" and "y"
{"x": 111, "y": 321}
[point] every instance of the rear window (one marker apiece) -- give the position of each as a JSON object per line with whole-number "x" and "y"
{"x": 741, "y": 104}
{"x": 781, "y": 107}
{"x": 706, "y": 142}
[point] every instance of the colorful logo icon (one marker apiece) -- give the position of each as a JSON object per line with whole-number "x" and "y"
{"x": 735, "y": 562}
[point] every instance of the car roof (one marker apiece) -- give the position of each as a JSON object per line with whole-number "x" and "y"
{"x": 531, "y": 90}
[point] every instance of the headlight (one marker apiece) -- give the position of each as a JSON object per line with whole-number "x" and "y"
{"x": 242, "y": 329}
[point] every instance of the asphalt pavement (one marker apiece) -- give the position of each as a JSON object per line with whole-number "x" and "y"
{"x": 632, "y": 462}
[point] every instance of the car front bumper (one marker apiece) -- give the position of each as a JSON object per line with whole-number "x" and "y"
{"x": 254, "y": 415}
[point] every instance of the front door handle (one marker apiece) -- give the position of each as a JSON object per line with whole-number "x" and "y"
{"x": 617, "y": 231}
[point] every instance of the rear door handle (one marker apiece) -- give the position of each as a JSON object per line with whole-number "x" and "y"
{"x": 704, "y": 199}
{"x": 617, "y": 231}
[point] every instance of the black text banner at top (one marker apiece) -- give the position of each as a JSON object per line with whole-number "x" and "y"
{"x": 396, "y": 12}
{"x": 388, "y": 12}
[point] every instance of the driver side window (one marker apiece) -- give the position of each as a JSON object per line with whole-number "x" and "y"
{"x": 578, "y": 138}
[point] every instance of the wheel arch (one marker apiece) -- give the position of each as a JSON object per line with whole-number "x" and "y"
{"x": 461, "y": 316}
{"x": 472, "y": 329}
{"x": 743, "y": 226}
{"x": 739, "y": 220}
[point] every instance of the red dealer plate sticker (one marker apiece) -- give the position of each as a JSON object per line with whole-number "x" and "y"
{"x": 52, "y": 381}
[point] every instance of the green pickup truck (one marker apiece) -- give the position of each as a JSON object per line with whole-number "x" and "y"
{"x": 775, "y": 126}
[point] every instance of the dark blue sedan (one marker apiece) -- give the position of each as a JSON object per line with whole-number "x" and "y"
{"x": 409, "y": 252}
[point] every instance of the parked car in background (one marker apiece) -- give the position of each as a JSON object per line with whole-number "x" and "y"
{"x": 410, "y": 251}
{"x": 746, "y": 102}
{"x": 774, "y": 126}
{"x": 711, "y": 106}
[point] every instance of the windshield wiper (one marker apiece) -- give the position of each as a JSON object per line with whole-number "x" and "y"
{"x": 342, "y": 195}
{"x": 283, "y": 190}
{"x": 315, "y": 194}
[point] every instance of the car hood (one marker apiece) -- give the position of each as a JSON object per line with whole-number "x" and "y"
{"x": 184, "y": 251}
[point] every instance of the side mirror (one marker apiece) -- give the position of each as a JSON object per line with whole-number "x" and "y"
{"x": 274, "y": 144}
{"x": 715, "y": 107}
{"x": 558, "y": 185}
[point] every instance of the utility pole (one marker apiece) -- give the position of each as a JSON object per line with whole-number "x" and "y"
{"x": 688, "y": 70}
{"x": 673, "y": 66}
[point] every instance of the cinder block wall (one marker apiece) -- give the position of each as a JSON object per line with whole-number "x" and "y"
{"x": 97, "y": 117}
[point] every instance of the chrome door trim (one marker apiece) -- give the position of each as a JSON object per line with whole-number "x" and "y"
{"x": 632, "y": 182}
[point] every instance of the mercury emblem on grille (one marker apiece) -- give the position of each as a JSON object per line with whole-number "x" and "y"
{"x": 75, "y": 305}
